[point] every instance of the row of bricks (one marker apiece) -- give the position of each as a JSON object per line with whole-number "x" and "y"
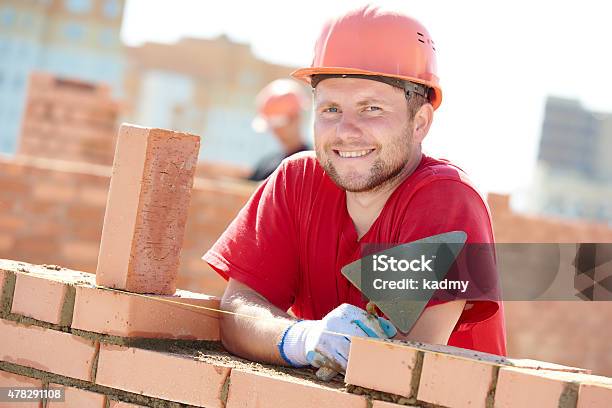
{"x": 166, "y": 376}
{"x": 69, "y": 299}
{"x": 445, "y": 376}
{"x": 453, "y": 377}
{"x": 73, "y": 397}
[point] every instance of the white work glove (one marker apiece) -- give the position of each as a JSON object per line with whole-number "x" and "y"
{"x": 310, "y": 341}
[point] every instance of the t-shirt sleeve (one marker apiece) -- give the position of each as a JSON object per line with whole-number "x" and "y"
{"x": 259, "y": 246}
{"x": 451, "y": 205}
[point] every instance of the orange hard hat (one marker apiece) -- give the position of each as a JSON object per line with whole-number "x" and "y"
{"x": 373, "y": 42}
{"x": 277, "y": 102}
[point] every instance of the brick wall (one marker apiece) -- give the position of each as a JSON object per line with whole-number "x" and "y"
{"x": 569, "y": 332}
{"x": 69, "y": 119}
{"x": 58, "y": 340}
{"x": 52, "y": 212}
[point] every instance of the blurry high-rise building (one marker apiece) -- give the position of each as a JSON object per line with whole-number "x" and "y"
{"x": 70, "y": 38}
{"x": 206, "y": 87}
{"x": 574, "y": 170}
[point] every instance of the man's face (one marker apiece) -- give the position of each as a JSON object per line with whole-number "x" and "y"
{"x": 362, "y": 132}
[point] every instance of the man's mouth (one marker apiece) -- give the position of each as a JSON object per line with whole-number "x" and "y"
{"x": 353, "y": 153}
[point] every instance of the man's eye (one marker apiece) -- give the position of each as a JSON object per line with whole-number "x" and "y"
{"x": 373, "y": 108}
{"x": 331, "y": 109}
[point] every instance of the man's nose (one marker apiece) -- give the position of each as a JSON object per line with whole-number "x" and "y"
{"x": 348, "y": 127}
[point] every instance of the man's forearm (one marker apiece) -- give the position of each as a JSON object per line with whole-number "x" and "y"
{"x": 256, "y": 328}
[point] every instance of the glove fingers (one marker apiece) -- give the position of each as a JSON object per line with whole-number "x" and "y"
{"x": 387, "y": 327}
{"x": 337, "y": 362}
{"x": 366, "y": 329}
{"x": 315, "y": 358}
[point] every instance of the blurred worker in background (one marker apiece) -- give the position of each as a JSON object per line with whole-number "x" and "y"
{"x": 280, "y": 107}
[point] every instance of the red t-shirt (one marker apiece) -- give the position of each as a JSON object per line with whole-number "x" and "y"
{"x": 294, "y": 235}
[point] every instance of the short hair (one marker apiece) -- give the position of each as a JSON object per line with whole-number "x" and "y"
{"x": 415, "y": 101}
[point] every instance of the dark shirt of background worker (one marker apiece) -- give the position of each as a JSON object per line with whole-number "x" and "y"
{"x": 280, "y": 107}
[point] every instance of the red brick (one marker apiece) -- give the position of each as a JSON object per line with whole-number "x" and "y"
{"x": 145, "y": 217}
{"x": 455, "y": 381}
{"x": 47, "y": 350}
{"x": 382, "y": 366}
{"x": 77, "y": 398}
{"x": 94, "y": 196}
{"x": 14, "y": 187}
{"x": 259, "y": 390}
{"x": 595, "y": 396}
{"x": 81, "y": 212}
{"x": 131, "y": 315}
{"x": 39, "y": 298}
{"x": 6, "y": 243}
{"x": 54, "y": 193}
{"x": 19, "y": 381}
{"x": 33, "y": 248}
{"x": 11, "y": 222}
{"x": 162, "y": 375}
{"x": 538, "y": 388}
{"x": 80, "y": 251}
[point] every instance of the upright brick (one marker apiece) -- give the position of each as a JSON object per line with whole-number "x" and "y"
{"x": 152, "y": 316}
{"x": 48, "y": 350}
{"x": 77, "y": 398}
{"x": 383, "y": 366}
{"x": 259, "y": 390}
{"x": 162, "y": 375}
{"x": 146, "y": 211}
{"x": 19, "y": 381}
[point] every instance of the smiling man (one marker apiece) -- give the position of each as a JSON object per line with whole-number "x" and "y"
{"x": 375, "y": 91}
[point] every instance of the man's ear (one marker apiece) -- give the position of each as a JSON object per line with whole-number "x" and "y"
{"x": 422, "y": 122}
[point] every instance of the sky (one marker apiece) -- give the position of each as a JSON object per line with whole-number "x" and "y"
{"x": 497, "y": 62}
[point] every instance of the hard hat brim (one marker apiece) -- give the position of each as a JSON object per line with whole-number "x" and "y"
{"x": 304, "y": 74}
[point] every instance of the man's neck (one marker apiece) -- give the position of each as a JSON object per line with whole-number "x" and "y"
{"x": 364, "y": 207}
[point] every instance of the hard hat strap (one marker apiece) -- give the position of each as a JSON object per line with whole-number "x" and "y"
{"x": 408, "y": 87}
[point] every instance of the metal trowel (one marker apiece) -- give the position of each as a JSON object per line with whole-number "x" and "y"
{"x": 403, "y": 311}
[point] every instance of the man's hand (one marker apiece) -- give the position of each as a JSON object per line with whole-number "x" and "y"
{"x": 326, "y": 342}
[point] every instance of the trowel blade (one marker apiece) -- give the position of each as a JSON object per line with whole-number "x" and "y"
{"x": 404, "y": 313}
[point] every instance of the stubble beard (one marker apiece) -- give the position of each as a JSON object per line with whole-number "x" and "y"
{"x": 382, "y": 173}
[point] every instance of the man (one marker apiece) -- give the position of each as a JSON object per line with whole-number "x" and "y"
{"x": 375, "y": 91}
{"x": 279, "y": 105}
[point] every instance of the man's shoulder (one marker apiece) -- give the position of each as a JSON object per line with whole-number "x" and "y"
{"x": 302, "y": 165}
{"x": 301, "y": 159}
{"x": 432, "y": 169}
{"x": 438, "y": 175}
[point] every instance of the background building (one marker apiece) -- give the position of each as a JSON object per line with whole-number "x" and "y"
{"x": 573, "y": 175}
{"x": 71, "y": 38}
{"x": 206, "y": 87}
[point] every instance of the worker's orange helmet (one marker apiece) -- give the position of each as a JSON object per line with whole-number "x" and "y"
{"x": 373, "y": 42}
{"x": 277, "y": 103}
